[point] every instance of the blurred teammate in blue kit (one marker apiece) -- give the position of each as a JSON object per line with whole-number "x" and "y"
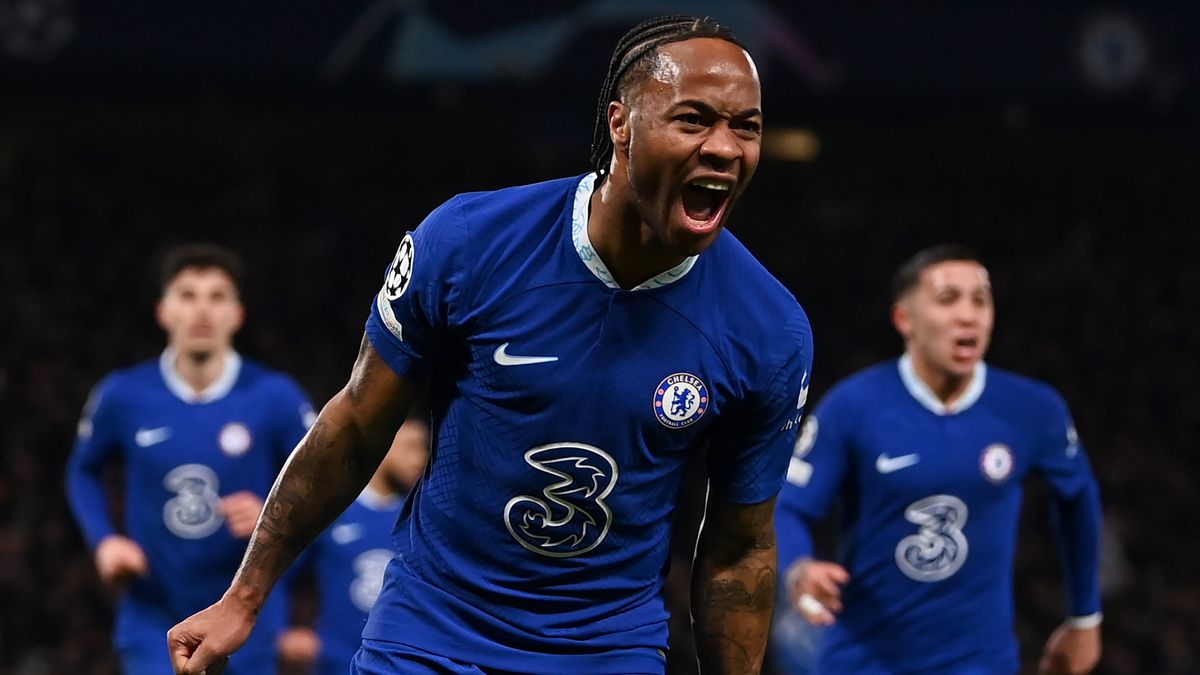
{"x": 585, "y": 339}
{"x": 348, "y": 560}
{"x": 201, "y": 433}
{"x": 927, "y": 455}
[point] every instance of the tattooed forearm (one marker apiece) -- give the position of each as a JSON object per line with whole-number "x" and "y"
{"x": 732, "y": 595}
{"x": 325, "y": 473}
{"x": 733, "y": 587}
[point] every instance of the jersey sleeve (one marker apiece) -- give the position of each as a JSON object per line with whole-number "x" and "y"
{"x": 417, "y": 311}
{"x": 1076, "y": 507}
{"x": 750, "y": 449}
{"x": 816, "y": 470}
{"x": 96, "y": 443}
{"x": 294, "y": 414}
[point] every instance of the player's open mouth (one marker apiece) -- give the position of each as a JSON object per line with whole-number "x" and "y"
{"x": 703, "y": 201}
{"x": 965, "y": 347}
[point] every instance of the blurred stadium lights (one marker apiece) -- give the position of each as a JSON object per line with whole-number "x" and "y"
{"x": 1113, "y": 51}
{"x": 791, "y": 144}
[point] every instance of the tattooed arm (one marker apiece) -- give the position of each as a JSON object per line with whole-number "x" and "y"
{"x": 733, "y": 586}
{"x": 325, "y": 473}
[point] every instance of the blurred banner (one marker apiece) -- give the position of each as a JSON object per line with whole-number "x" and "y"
{"x": 940, "y": 49}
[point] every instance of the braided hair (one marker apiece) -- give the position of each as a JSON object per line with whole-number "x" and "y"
{"x": 635, "y": 54}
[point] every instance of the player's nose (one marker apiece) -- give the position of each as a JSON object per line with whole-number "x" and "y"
{"x": 722, "y": 146}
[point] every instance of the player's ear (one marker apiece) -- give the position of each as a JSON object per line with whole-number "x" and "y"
{"x": 618, "y": 126}
{"x": 239, "y": 317}
{"x": 160, "y": 314}
{"x": 901, "y": 318}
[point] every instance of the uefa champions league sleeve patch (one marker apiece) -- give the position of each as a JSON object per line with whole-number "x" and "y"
{"x": 400, "y": 273}
{"x": 680, "y": 400}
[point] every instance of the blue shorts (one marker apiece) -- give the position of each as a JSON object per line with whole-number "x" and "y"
{"x": 379, "y": 657}
{"x": 376, "y": 657}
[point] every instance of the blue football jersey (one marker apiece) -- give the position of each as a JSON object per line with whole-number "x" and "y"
{"x": 348, "y": 561}
{"x": 930, "y": 501}
{"x": 181, "y": 454}
{"x": 565, "y": 412}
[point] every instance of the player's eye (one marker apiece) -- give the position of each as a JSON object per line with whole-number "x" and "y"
{"x": 691, "y": 119}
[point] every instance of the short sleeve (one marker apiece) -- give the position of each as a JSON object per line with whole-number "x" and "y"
{"x": 751, "y": 447}
{"x": 417, "y": 310}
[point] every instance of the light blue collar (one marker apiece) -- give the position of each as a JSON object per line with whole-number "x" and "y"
{"x": 925, "y": 396}
{"x": 217, "y": 390}
{"x": 583, "y": 245}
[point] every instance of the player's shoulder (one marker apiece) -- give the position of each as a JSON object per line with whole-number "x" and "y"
{"x": 740, "y": 274}
{"x": 516, "y": 207}
{"x": 1017, "y": 391}
{"x": 129, "y": 381}
{"x": 866, "y": 387}
{"x": 267, "y": 380}
{"x": 733, "y": 277}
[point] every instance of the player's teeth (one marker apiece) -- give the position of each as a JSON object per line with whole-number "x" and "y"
{"x": 711, "y": 184}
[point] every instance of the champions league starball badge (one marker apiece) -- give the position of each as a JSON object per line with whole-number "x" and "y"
{"x": 680, "y": 400}
{"x": 400, "y": 273}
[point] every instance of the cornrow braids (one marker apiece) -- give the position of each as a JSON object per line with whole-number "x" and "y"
{"x": 634, "y": 47}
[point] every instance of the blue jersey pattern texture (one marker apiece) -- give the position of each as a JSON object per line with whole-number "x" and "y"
{"x": 566, "y": 410}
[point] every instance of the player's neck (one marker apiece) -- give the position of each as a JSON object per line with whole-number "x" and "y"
{"x": 947, "y": 387}
{"x": 628, "y": 247}
{"x": 200, "y": 370}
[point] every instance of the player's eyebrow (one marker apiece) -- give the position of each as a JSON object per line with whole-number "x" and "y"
{"x": 707, "y": 109}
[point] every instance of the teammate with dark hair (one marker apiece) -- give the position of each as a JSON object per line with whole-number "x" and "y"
{"x": 927, "y": 455}
{"x": 586, "y": 339}
{"x": 201, "y": 433}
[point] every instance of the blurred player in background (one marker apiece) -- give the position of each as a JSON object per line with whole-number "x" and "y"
{"x": 201, "y": 433}
{"x": 927, "y": 455}
{"x": 587, "y": 338}
{"x": 349, "y": 558}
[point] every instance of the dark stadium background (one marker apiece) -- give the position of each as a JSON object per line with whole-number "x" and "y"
{"x": 1059, "y": 142}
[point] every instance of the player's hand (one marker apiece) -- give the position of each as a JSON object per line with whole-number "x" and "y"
{"x": 1071, "y": 651}
{"x": 815, "y": 589}
{"x": 202, "y": 643}
{"x": 299, "y": 645}
{"x": 241, "y": 511}
{"x": 119, "y": 559}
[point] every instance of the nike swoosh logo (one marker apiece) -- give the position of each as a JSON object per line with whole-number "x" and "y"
{"x": 148, "y": 437}
{"x": 885, "y": 464}
{"x": 505, "y": 359}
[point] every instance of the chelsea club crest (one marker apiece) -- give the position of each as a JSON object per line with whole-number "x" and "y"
{"x": 996, "y": 462}
{"x": 680, "y": 400}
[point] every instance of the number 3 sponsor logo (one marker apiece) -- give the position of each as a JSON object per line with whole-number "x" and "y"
{"x": 569, "y": 517}
{"x": 192, "y": 513}
{"x": 939, "y": 549}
